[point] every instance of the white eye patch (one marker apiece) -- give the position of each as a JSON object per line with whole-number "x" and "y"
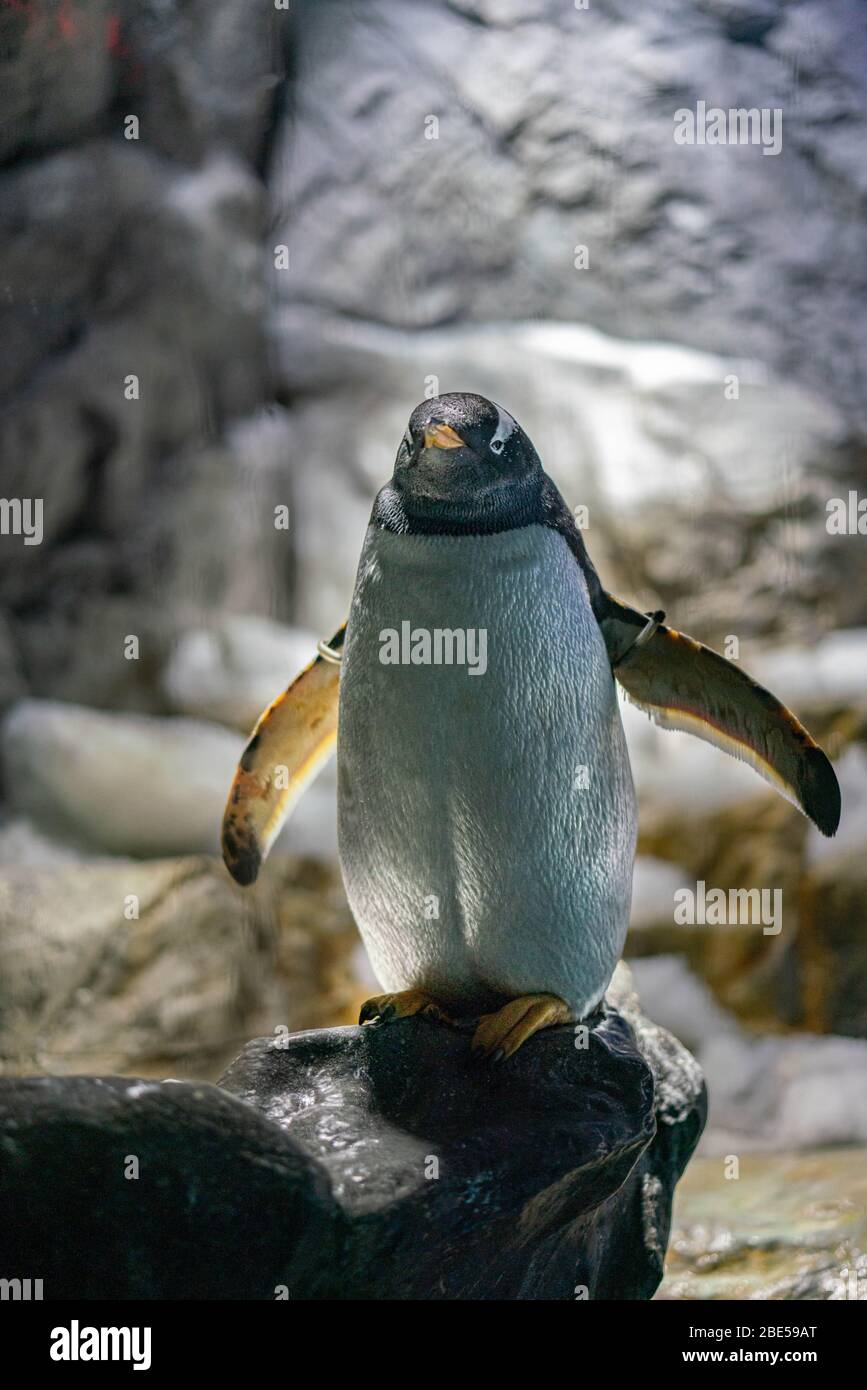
{"x": 505, "y": 427}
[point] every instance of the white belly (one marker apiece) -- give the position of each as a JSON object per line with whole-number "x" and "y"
{"x": 487, "y": 822}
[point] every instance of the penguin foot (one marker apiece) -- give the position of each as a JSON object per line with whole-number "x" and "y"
{"x": 502, "y": 1033}
{"x": 384, "y": 1008}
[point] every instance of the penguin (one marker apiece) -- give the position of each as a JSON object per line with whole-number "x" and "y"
{"x": 486, "y": 809}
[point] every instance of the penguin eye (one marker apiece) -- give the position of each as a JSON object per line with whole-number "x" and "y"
{"x": 497, "y": 446}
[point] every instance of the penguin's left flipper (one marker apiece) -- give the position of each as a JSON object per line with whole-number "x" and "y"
{"x": 500, "y": 1034}
{"x": 684, "y": 685}
{"x": 293, "y": 738}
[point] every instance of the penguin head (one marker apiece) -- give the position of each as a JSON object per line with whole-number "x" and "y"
{"x": 462, "y": 454}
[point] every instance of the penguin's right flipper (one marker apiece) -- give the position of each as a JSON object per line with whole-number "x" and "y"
{"x": 290, "y": 743}
{"x": 682, "y": 684}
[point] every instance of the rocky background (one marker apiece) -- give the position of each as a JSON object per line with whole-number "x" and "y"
{"x": 328, "y": 212}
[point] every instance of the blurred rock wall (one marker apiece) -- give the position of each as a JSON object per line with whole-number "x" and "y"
{"x": 135, "y": 257}
{"x": 447, "y": 163}
{"x": 555, "y": 126}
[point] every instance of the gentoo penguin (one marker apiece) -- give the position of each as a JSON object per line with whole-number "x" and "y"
{"x": 487, "y": 818}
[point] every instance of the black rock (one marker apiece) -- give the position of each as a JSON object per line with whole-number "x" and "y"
{"x": 377, "y": 1163}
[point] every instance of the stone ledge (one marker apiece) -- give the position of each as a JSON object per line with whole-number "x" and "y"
{"x": 372, "y": 1163}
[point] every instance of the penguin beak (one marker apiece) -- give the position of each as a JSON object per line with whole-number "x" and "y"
{"x": 438, "y": 436}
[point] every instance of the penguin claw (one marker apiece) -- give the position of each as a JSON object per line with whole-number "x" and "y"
{"x": 384, "y": 1008}
{"x": 376, "y": 1011}
{"x": 500, "y": 1034}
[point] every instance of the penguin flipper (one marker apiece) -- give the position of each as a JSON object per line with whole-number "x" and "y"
{"x": 293, "y": 738}
{"x": 682, "y": 684}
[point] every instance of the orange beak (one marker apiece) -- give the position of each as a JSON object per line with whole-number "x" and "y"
{"x": 442, "y": 437}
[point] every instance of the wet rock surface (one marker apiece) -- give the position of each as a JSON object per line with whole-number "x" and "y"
{"x": 220, "y": 1207}
{"x": 375, "y": 1162}
{"x": 782, "y": 1226}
